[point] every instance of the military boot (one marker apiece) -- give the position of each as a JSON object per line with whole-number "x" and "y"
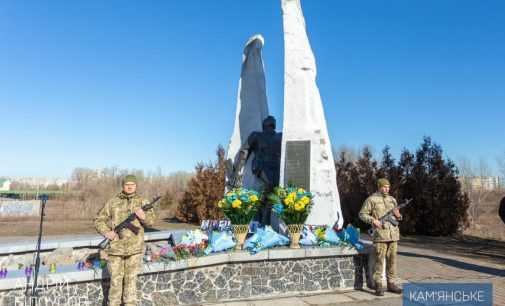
{"x": 379, "y": 290}
{"x": 392, "y": 287}
{"x": 371, "y": 285}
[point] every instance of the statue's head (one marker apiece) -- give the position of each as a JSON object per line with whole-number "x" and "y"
{"x": 269, "y": 124}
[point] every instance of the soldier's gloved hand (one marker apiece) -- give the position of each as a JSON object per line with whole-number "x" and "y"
{"x": 377, "y": 224}
{"x": 112, "y": 235}
{"x": 140, "y": 214}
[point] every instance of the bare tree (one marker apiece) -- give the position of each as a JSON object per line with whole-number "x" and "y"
{"x": 501, "y": 165}
{"x": 474, "y": 182}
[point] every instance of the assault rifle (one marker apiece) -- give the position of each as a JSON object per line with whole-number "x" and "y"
{"x": 389, "y": 217}
{"x": 127, "y": 223}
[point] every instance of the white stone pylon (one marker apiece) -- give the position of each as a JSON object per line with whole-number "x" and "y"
{"x": 304, "y": 118}
{"x": 252, "y": 106}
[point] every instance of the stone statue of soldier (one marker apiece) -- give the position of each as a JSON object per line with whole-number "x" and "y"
{"x": 266, "y": 146}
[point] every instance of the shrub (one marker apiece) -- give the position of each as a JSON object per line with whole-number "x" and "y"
{"x": 203, "y": 192}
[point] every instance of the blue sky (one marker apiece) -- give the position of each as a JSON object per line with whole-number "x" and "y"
{"x": 153, "y": 83}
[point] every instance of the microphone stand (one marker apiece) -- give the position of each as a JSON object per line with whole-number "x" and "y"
{"x": 43, "y": 200}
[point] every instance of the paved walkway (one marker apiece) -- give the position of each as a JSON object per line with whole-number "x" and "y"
{"x": 419, "y": 261}
{"x": 340, "y": 299}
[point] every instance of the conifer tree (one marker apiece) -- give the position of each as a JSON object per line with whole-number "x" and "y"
{"x": 388, "y": 169}
{"x": 345, "y": 169}
{"x": 362, "y": 184}
{"x": 204, "y": 190}
{"x": 440, "y": 206}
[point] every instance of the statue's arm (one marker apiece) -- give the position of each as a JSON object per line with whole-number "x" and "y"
{"x": 245, "y": 151}
{"x": 241, "y": 160}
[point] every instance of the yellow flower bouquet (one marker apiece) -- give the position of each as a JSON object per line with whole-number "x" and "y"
{"x": 240, "y": 205}
{"x": 291, "y": 204}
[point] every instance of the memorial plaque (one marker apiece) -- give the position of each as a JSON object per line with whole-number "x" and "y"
{"x": 297, "y": 164}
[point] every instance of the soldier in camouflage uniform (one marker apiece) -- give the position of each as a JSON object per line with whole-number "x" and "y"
{"x": 385, "y": 237}
{"x": 124, "y": 254}
{"x": 501, "y": 210}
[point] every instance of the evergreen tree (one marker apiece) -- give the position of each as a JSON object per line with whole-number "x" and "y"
{"x": 388, "y": 169}
{"x": 361, "y": 178}
{"x": 365, "y": 176}
{"x": 407, "y": 188}
{"x": 439, "y": 207}
{"x": 344, "y": 166}
{"x": 204, "y": 190}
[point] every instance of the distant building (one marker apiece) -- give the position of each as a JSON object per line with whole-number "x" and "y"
{"x": 41, "y": 181}
{"x": 488, "y": 183}
{"x": 5, "y": 184}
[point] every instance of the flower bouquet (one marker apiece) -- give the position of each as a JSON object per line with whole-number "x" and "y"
{"x": 240, "y": 206}
{"x": 327, "y": 236}
{"x": 292, "y": 205}
{"x": 182, "y": 252}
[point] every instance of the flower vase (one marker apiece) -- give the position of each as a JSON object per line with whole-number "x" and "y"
{"x": 295, "y": 230}
{"x": 240, "y": 232}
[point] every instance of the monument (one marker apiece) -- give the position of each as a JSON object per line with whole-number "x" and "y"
{"x": 307, "y": 158}
{"x": 254, "y": 153}
{"x": 252, "y": 109}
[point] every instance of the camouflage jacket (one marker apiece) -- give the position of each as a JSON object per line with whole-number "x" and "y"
{"x": 114, "y": 212}
{"x": 374, "y": 207}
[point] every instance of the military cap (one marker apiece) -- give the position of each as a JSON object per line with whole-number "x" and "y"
{"x": 383, "y": 182}
{"x": 130, "y": 178}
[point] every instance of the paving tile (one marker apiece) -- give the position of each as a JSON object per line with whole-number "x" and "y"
{"x": 245, "y": 303}
{"x": 325, "y": 299}
{"x": 361, "y": 295}
{"x": 281, "y": 302}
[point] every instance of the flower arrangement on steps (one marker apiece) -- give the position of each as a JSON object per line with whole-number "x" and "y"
{"x": 240, "y": 205}
{"x": 292, "y": 205}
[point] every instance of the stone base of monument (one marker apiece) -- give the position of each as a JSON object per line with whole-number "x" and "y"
{"x": 221, "y": 277}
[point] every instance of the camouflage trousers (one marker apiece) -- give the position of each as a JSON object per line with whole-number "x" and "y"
{"x": 385, "y": 252}
{"x": 123, "y": 279}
